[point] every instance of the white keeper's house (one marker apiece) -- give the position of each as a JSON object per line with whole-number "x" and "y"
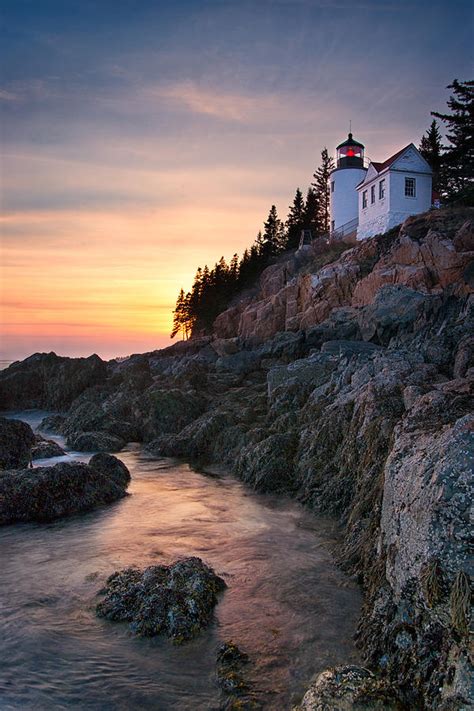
{"x": 370, "y": 199}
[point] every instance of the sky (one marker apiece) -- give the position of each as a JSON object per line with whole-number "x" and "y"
{"x": 144, "y": 138}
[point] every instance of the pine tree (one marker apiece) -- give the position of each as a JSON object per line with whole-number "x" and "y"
{"x": 195, "y": 298}
{"x": 257, "y": 246}
{"x": 179, "y": 315}
{"x": 311, "y": 214}
{"x": 295, "y": 220}
{"x": 187, "y": 321}
{"x": 273, "y": 234}
{"x": 431, "y": 148}
{"x": 459, "y": 155}
{"x": 234, "y": 271}
{"x": 321, "y": 187}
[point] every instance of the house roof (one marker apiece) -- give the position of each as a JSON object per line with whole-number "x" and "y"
{"x": 381, "y": 167}
{"x": 387, "y": 163}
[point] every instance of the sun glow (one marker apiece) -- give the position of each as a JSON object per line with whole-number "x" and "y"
{"x": 107, "y": 279}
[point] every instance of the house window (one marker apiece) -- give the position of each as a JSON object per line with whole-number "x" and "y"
{"x": 333, "y": 224}
{"x": 364, "y": 199}
{"x": 381, "y": 189}
{"x": 332, "y": 186}
{"x": 410, "y": 187}
{"x": 372, "y": 194}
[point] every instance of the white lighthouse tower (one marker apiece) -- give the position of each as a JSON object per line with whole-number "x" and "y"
{"x": 348, "y": 173}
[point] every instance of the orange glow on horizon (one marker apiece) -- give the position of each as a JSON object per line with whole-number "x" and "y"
{"x": 106, "y": 282}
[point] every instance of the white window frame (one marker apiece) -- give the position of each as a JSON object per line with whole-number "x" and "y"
{"x": 410, "y": 188}
{"x": 382, "y": 189}
{"x": 364, "y": 199}
{"x": 372, "y": 194}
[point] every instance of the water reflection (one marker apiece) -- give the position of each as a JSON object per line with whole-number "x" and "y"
{"x": 286, "y": 604}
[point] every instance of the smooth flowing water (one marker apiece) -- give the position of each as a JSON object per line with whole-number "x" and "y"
{"x": 286, "y": 605}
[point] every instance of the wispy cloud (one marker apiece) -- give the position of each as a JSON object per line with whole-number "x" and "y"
{"x": 31, "y": 89}
{"x": 7, "y": 95}
{"x": 217, "y": 102}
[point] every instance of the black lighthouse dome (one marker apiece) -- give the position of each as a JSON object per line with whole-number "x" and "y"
{"x": 350, "y": 153}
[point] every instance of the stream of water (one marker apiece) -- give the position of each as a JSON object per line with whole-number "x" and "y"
{"x": 286, "y": 605}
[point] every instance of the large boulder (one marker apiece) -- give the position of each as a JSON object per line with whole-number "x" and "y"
{"x": 47, "y": 493}
{"x": 240, "y": 363}
{"x": 46, "y": 448}
{"x": 349, "y": 688}
{"x": 307, "y": 373}
{"x": 46, "y": 380}
{"x": 85, "y": 415}
{"x": 53, "y": 423}
{"x": 395, "y": 308}
{"x": 269, "y": 465}
{"x": 95, "y": 442}
{"x": 111, "y": 468}
{"x": 168, "y": 410}
{"x": 174, "y": 600}
{"x": 16, "y": 441}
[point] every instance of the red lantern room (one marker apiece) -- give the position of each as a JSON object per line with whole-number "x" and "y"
{"x": 350, "y": 154}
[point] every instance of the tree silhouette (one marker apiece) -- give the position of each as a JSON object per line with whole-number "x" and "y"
{"x": 311, "y": 213}
{"x": 459, "y": 154}
{"x": 273, "y": 234}
{"x": 321, "y": 188}
{"x": 180, "y": 316}
{"x": 295, "y": 220}
{"x": 431, "y": 148}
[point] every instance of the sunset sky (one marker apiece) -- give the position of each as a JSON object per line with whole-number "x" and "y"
{"x": 142, "y": 139}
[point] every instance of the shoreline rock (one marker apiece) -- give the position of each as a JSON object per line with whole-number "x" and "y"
{"x": 349, "y": 688}
{"x": 46, "y": 448}
{"x": 16, "y": 442}
{"x": 174, "y": 600}
{"x": 48, "y": 493}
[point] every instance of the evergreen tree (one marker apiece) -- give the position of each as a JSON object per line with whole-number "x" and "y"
{"x": 295, "y": 220}
{"x": 321, "y": 187}
{"x": 273, "y": 234}
{"x": 234, "y": 270}
{"x": 195, "y": 298}
{"x": 179, "y": 315}
{"x": 257, "y": 246}
{"x": 459, "y": 155}
{"x": 431, "y": 149}
{"x": 311, "y": 213}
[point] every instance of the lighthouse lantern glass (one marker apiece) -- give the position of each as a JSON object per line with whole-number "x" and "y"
{"x": 350, "y": 152}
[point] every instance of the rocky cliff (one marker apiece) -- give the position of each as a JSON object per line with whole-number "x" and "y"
{"x": 346, "y": 381}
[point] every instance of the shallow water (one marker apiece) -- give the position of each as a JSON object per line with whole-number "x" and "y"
{"x": 286, "y": 604}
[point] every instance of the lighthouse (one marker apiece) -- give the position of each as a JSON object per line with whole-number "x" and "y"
{"x": 347, "y": 174}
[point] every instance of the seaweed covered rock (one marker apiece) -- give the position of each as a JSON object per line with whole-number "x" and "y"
{"x": 50, "y": 381}
{"x": 52, "y": 423}
{"x": 268, "y": 465}
{"x": 349, "y": 688}
{"x": 174, "y": 600}
{"x": 230, "y": 674}
{"x": 95, "y": 442}
{"x": 47, "y": 493}
{"x": 46, "y": 448}
{"x": 111, "y": 467}
{"x": 87, "y": 415}
{"x": 16, "y": 440}
{"x": 166, "y": 411}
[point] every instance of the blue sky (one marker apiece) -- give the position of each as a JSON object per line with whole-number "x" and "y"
{"x": 147, "y": 138}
